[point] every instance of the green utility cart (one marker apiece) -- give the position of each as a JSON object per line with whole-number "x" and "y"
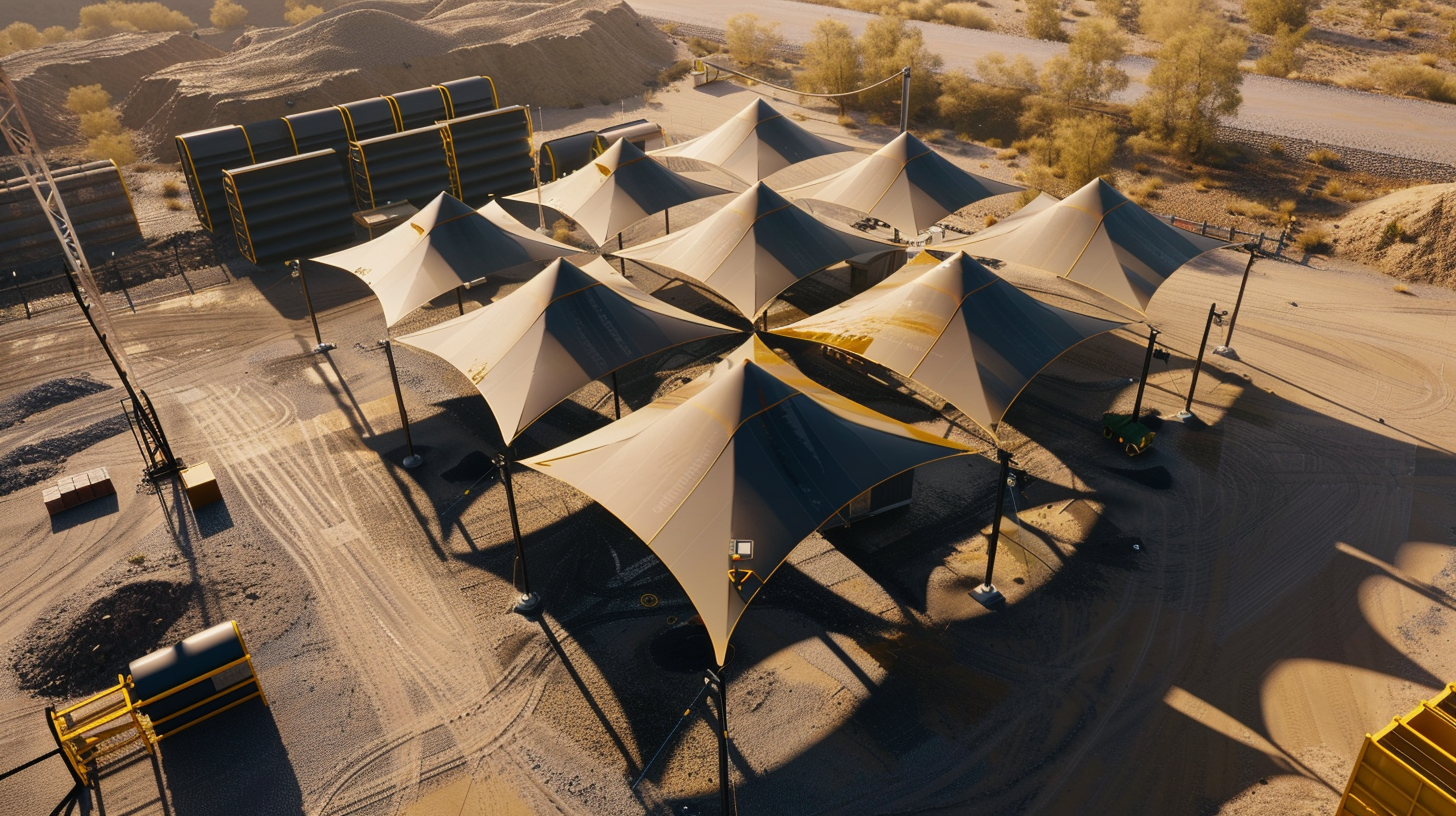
{"x": 1134, "y": 436}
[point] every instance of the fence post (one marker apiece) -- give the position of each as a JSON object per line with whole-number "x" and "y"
{"x": 1203, "y": 230}
{"x": 1261, "y": 242}
{"x": 1231, "y": 233}
{"x": 20, "y": 291}
{"x": 177, "y": 255}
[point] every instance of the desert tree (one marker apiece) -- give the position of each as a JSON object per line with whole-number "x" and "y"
{"x": 1265, "y": 16}
{"x": 1017, "y": 72}
{"x": 1283, "y": 57}
{"x": 1088, "y": 72}
{"x": 1044, "y": 20}
{"x": 227, "y": 14}
{"x": 976, "y": 109}
{"x": 749, "y": 42}
{"x": 1193, "y": 84}
{"x": 1078, "y": 149}
{"x": 831, "y": 61}
{"x": 889, "y": 45}
{"x": 1161, "y": 19}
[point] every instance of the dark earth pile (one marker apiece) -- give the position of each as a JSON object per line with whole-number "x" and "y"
{"x": 70, "y": 656}
{"x": 33, "y": 464}
{"x": 47, "y": 395}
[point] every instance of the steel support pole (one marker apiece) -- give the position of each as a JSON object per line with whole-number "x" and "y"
{"x": 616, "y": 396}
{"x": 460, "y": 299}
{"x": 1228, "y": 337}
{"x": 21, "y": 292}
{"x": 725, "y": 792}
{"x": 411, "y": 460}
{"x": 529, "y": 601}
{"x": 1005, "y": 457}
{"x": 905, "y": 99}
{"x": 620, "y": 259}
{"x": 1198, "y": 364}
{"x": 308, "y": 301}
{"x": 1137, "y": 404}
{"x": 667, "y": 221}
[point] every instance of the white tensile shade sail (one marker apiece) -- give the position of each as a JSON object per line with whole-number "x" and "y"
{"x": 439, "y": 248}
{"x": 754, "y": 248}
{"x": 906, "y": 184}
{"x": 619, "y": 188}
{"x": 562, "y": 329}
{"x": 756, "y": 143}
{"x": 1095, "y": 237}
{"x": 956, "y": 327}
{"x": 752, "y": 451}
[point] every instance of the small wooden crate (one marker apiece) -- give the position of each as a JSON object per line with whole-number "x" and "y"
{"x": 70, "y": 491}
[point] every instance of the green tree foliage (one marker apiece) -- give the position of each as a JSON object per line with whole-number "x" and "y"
{"x": 887, "y": 46}
{"x": 1088, "y": 72}
{"x": 1078, "y": 150}
{"x": 227, "y": 14}
{"x": 1284, "y": 56}
{"x": 1161, "y": 19}
{"x": 1044, "y": 20}
{"x": 1193, "y": 84}
{"x": 1265, "y": 16}
{"x": 749, "y": 42}
{"x": 831, "y": 61}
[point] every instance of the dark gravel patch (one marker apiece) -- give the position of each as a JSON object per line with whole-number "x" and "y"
{"x": 32, "y": 464}
{"x": 71, "y": 656}
{"x": 1156, "y": 477}
{"x": 47, "y": 395}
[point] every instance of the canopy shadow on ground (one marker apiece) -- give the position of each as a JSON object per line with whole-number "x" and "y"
{"x": 235, "y": 762}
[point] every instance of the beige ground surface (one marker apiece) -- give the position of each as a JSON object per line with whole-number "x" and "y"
{"x": 1292, "y": 585}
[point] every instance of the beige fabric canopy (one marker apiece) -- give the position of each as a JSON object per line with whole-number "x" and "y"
{"x": 441, "y": 247}
{"x": 955, "y": 326}
{"x": 756, "y": 143}
{"x": 1095, "y": 237}
{"x": 754, "y": 248}
{"x": 752, "y": 451}
{"x": 559, "y": 331}
{"x": 619, "y": 188}
{"x": 905, "y": 184}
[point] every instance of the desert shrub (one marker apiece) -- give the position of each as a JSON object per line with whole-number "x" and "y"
{"x": 1335, "y": 189}
{"x": 831, "y": 61}
{"x": 702, "y": 48}
{"x": 114, "y": 16}
{"x": 1286, "y": 210}
{"x": 992, "y": 142}
{"x": 674, "y": 72}
{"x": 171, "y": 189}
{"x": 84, "y": 99}
{"x": 1078, "y": 150}
{"x": 1324, "y": 157}
{"x": 749, "y": 42}
{"x": 173, "y": 204}
{"x": 888, "y": 45}
{"x": 1276, "y": 148}
{"x": 1316, "y": 240}
{"x": 991, "y": 221}
{"x": 965, "y": 15}
{"x": 1249, "y": 209}
{"x": 1009, "y": 154}
{"x": 1088, "y": 72}
{"x": 18, "y": 37}
{"x": 1019, "y": 72}
{"x": 1161, "y": 19}
{"x": 975, "y": 108}
{"x": 1284, "y": 56}
{"x": 1193, "y": 84}
{"x": 296, "y": 12}
{"x": 1203, "y": 184}
{"x": 100, "y": 123}
{"x": 114, "y": 146}
{"x": 227, "y": 14}
{"x": 1404, "y": 78}
{"x": 1044, "y": 20}
{"x": 1143, "y": 146}
{"x": 1428, "y": 59}
{"x": 1266, "y": 16}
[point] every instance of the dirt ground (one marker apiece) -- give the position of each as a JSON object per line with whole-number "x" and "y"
{"x": 1208, "y": 629}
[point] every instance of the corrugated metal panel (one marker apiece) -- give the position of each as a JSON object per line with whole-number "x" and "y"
{"x": 412, "y": 166}
{"x": 290, "y": 208}
{"x": 204, "y": 155}
{"x": 492, "y": 154}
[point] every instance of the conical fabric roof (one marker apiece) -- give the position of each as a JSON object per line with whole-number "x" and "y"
{"x": 906, "y": 184}
{"x": 956, "y": 327}
{"x": 754, "y": 248}
{"x": 753, "y": 450}
{"x": 560, "y": 330}
{"x": 619, "y": 188}
{"x": 756, "y": 143}
{"x": 441, "y": 247}
{"x": 1096, "y": 237}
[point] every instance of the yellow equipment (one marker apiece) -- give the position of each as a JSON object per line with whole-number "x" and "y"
{"x": 1409, "y": 768}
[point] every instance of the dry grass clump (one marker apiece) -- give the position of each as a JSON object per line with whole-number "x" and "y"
{"x": 1145, "y": 191}
{"x": 1009, "y": 154}
{"x": 115, "y": 146}
{"x": 1401, "y": 77}
{"x": 1324, "y": 158}
{"x": 961, "y": 14}
{"x": 173, "y": 205}
{"x": 227, "y": 14}
{"x": 171, "y": 189}
{"x": 1250, "y": 209}
{"x": 113, "y": 16}
{"x": 1315, "y": 241}
{"x": 1276, "y": 149}
{"x": 296, "y": 12}
{"x": 1335, "y": 189}
{"x": 1402, "y": 288}
{"x": 101, "y": 124}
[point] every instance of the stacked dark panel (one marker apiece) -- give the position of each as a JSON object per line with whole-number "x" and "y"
{"x": 566, "y": 155}
{"x": 96, "y": 199}
{"x": 418, "y": 108}
{"x": 204, "y": 155}
{"x": 492, "y": 153}
{"x": 368, "y": 118}
{"x": 411, "y": 166}
{"x": 468, "y": 96}
{"x": 321, "y": 129}
{"x": 269, "y": 139}
{"x": 290, "y": 208}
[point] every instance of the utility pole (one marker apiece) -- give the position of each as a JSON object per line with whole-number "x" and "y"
{"x": 21, "y": 141}
{"x": 905, "y": 99}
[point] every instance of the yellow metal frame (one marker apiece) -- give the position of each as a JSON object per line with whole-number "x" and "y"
{"x": 231, "y": 184}
{"x": 394, "y": 110}
{"x": 199, "y": 200}
{"x": 1418, "y": 795}
{"x": 363, "y": 165}
{"x": 450, "y": 103}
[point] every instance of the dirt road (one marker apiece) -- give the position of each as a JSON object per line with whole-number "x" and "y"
{"x": 1412, "y": 128}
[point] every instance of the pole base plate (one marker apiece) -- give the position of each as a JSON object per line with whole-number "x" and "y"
{"x": 989, "y": 596}
{"x": 412, "y": 461}
{"x": 323, "y": 347}
{"x": 528, "y": 604}
{"x": 1185, "y": 415}
{"x": 1225, "y": 351}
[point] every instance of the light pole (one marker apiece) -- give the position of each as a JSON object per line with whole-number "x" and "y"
{"x": 1227, "y": 348}
{"x": 529, "y": 601}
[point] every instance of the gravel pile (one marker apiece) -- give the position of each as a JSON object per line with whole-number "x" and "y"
{"x": 67, "y": 655}
{"x": 1410, "y": 234}
{"x": 32, "y": 464}
{"x": 47, "y": 395}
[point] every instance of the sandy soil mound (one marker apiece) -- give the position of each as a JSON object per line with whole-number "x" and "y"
{"x": 44, "y": 75}
{"x": 538, "y": 53}
{"x": 83, "y": 655}
{"x": 1410, "y": 234}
